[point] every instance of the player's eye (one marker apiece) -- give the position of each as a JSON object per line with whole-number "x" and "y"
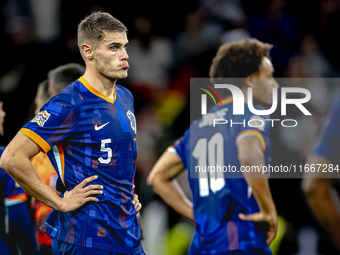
{"x": 114, "y": 47}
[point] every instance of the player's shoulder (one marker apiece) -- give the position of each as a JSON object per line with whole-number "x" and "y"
{"x": 123, "y": 91}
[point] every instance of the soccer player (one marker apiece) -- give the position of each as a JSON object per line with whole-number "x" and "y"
{"x": 4, "y": 243}
{"x": 16, "y": 226}
{"x": 42, "y": 95}
{"x": 228, "y": 212}
{"x": 89, "y": 133}
{"x": 319, "y": 186}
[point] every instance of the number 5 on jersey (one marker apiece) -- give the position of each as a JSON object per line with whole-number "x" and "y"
{"x": 105, "y": 149}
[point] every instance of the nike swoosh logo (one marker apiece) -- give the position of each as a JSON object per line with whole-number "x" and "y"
{"x": 96, "y": 127}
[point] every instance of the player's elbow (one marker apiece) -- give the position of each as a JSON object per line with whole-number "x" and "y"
{"x": 152, "y": 179}
{"x": 6, "y": 162}
{"x": 155, "y": 180}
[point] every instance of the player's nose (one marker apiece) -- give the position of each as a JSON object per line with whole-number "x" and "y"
{"x": 124, "y": 55}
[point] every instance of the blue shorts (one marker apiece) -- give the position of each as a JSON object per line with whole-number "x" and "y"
{"x": 61, "y": 248}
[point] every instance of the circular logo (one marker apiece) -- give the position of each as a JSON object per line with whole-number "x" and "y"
{"x": 132, "y": 119}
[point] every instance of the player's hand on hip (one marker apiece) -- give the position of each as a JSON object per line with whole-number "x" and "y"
{"x": 263, "y": 217}
{"x": 135, "y": 201}
{"x": 80, "y": 195}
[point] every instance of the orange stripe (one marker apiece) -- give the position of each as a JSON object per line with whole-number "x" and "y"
{"x": 36, "y": 138}
{"x": 22, "y": 197}
{"x": 96, "y": 92}
{"x": 62, "y": 159}
{"x": 226, "y": 100}
{"x": 255, "y": 133}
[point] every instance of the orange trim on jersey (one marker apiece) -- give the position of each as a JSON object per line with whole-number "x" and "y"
{"x": 172, "y": 149}
{"x": 96, "y": 92}
{"x": 226, "y": 101}
{"x": 255, "y": 133}
{"x": 36, "y": 138}
{"x": 21, "y": 197}
{"x": 62, "y": 159}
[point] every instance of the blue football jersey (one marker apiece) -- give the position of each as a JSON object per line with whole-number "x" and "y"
{"x": 220, "y": 195}
{"x": 328, "y": 145}
{"x": 86, "y": 133}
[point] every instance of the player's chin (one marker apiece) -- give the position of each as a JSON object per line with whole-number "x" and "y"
{"x": 122, "y": 75}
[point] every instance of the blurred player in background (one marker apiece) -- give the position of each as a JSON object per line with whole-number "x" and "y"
{"x": 319, "y": 185}
{"x": 88, "y": 131}
{"x": 16, "y": 226}
{"x": 4, "y": 242}
{"x": 227, "y": 211}
{"x": 46, "y": 173}
{"x": 62, "y": 76}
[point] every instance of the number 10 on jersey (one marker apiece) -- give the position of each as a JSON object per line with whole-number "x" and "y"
{"x": 209, "y": 153}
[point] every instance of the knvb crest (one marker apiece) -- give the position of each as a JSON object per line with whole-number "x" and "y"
{"x": 132, "y": 119}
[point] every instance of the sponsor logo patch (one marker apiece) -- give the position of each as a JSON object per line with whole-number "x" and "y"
{"x": 41, "y": 118}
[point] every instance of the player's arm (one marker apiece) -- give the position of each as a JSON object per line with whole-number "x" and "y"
{"x": 250, "y": 154}
{"x": 323, "y": 198}
{"x": 15, "y": 160}
{"x": 163, "y": 179}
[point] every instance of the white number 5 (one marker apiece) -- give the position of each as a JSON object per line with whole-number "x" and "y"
{"x": 105, "y": 149}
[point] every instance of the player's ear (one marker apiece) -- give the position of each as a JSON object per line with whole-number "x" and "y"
{"x": 249, "y": 81}
{"x": 87, "y": 51}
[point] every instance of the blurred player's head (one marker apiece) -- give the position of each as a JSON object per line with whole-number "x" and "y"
{"x": 2, "y": 118}
{"x": 42, "y": 95}
{"x": 62, "y": 76}
{"x": 248, "y": 59}
{"x": 102, "y": 41}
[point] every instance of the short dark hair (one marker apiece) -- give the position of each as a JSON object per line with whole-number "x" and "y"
{"x": 238, "y": 59}
{"x": 93, "y": 26}
{"x": 64, "y": 75}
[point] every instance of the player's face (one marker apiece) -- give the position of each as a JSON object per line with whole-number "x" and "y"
{"x": 264, "y": 84}
{"x": 2, "y": 119}
{"x": 39, "y": 100}
{"x": 51, "y": 88}
{"x": 110, "y": 55}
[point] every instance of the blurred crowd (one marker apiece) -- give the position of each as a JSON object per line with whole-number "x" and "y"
{"x": 170, "y": 42}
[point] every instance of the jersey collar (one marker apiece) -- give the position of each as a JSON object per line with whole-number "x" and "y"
{"x": 96, "y": 92}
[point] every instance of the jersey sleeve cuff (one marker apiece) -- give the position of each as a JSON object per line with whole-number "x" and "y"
{"x": 172, "y": 149}
{"x": 252, "y": 132}
{"x": 36, "y": 138}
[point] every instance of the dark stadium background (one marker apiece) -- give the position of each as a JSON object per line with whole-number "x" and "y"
{"x": 186, "y": 34}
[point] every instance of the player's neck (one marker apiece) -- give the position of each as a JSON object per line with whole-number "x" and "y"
{"x": 255, "y": 101}
{"x": 100, "y": 83}
{"x": 244, "y": 89}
